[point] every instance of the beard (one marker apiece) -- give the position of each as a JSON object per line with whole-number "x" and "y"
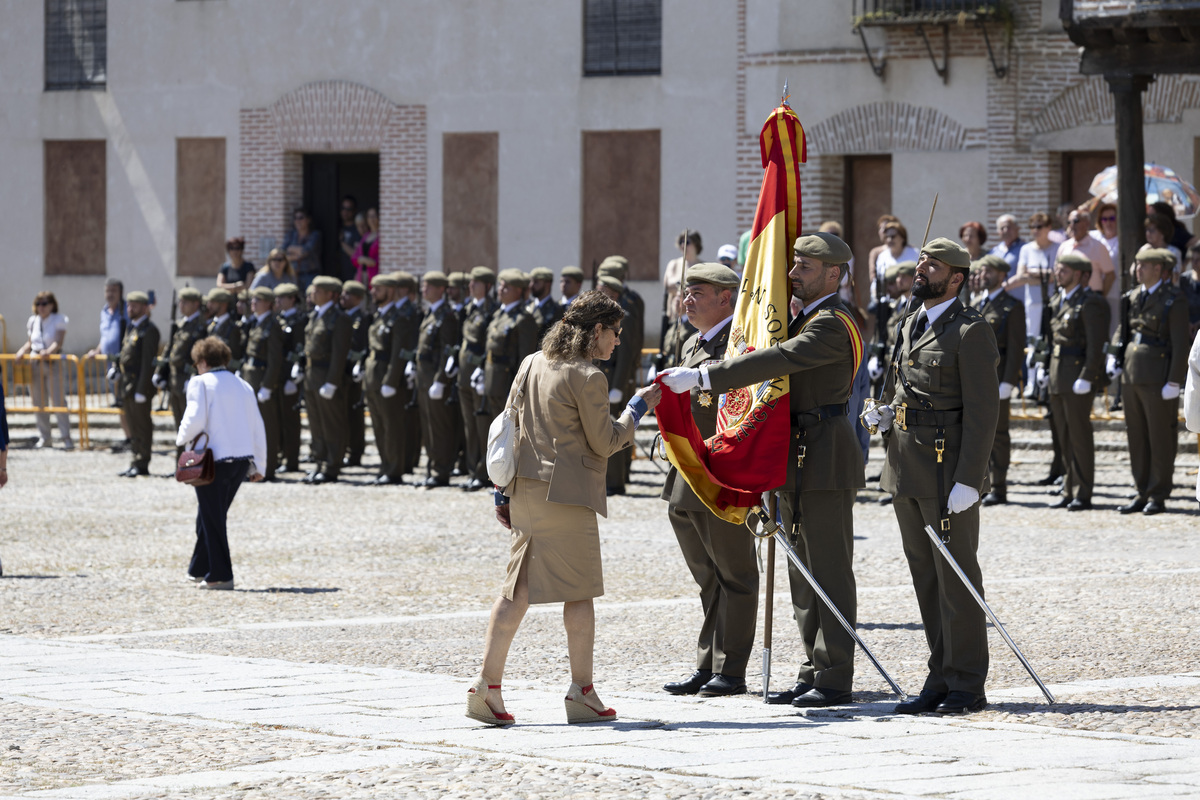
{"x": 923, "y": 289}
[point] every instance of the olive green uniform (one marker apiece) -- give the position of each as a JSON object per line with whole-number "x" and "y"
{"x": 679, "y": 332}
{"x": 1078, "y": 329}
{"x": 545, "y": 313}
{"x": 326, "y": 346}
{"x": 618, "y": 369}
{"x": 356, "y": 432}
{"x": 719, "y": 554}
{"x": 819, "y": 494}
{"x": 511, "y": 336}
{"x": 1155, "y": 355}
{"x": 266, "y": 367}
{"x": 139, "y": 351}
{"x": 392, "y": 343}
{"x": 945, "y": 390}
{"x": 177, "y": 366}
{"x": 228, "y": 330}
{"x": 438, "y": 339}
{"x": 477, "y": 413}
{"x": 1006, "y": 315}
{"x": 293, "y": 326}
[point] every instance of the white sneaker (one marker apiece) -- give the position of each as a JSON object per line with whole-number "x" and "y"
{"x": 39, "y": 444}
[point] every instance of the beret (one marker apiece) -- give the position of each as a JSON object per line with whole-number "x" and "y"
{"x": 514, "y": 277}
{"x": 950, "y": 253}
{"x": 483, "y": 274}
{"x": 1160, "y": 255}
{"x": 327, "y": 282}
{"x": 541, "y": 274}
{"x": 354, "y": 288}
{"x": 219, "y": 296}
{"x": 990, "y": 262}
{"x": 190, "y": 293}
{"x": 385, "y": 279}
{"x": 714, "y": 273}
{"x": 405, "y": 280}
{"x": 435, "y": 277}
{"x": 1075, "y": 260}
{"x": 612, "y": 282}
{"x": 573, "y": 272}
{"x": 617, "y": 266}
{"x": 285, "y": 289}
{"x": 901, "y": 268}
{"x": 137, "y": 297}
{"x": 262, "y": 293}
{"x": 243, "y": 295}
{"x": 824, "y": 247}
{"x": 458, "y": 279}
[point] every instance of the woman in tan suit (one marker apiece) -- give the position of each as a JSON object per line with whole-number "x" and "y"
{"x": 566, "y": 437}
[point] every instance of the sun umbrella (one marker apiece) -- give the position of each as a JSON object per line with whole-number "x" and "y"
{"x": 1162, "y": 184}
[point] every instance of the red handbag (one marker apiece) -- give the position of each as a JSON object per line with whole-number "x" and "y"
{"x": 196, "y": 466}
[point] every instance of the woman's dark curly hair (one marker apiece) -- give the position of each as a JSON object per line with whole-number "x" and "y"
{"x": 573, "y": 338}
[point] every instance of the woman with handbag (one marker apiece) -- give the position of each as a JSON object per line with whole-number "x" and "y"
{"x": 565, "y": 436}
{"x": 222, "y": 407}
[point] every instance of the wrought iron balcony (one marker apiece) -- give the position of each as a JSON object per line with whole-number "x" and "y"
{"x": 876, "y": 13}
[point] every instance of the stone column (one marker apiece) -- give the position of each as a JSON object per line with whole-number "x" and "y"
{"x": 1131, "y": 156}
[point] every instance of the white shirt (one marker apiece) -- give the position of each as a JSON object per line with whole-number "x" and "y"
{"x": 437, "y": 305}
{"x": 1147, "y": 292}
{"x": 383, "y": 309}
{"x": 192, "y": 316}
{"x": 260, "y": 317}
{"x": 511, "y": 306}
{"x": 936, "y": 311}
{"x": 321, "y": 309}
{"x": 217, "y": 321}
{"x": 43, "y": 332}
{"x": 1067, "y": 295}
{"x": 715, "y": 329}
{"x": 804, "y": 311}
{"x": 224, "y": 406}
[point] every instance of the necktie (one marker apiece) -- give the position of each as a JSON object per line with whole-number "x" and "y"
{"x": 922, "y": 324}
{"x": 699, "y": 345}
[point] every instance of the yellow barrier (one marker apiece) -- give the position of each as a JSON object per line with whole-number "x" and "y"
{"x": 3, "y": 335}
{"x": 45, "y": 385}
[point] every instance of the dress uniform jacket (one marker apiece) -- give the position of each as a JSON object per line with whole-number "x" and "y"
{"x": 511, "y": 336}
{"x": 945, "y": 375}
{"x": 674, "y": 338}
{"x": 1006, "y": 315}
{"x": 229, "y": 331}
{"x": 292, "y": 326}
{"x": 326, "y": 347}
{"x": 818, "y": 356}
{"x": 355, "y": 408}
{"x": 719, "y": 554}
{"x": 475, "y": 410}
{"x": 1156, "y": 354}
{"x": 619, "y": 369}
{"x": 545, "y": 313}
{"x": 438, "y": 339}
{"x": 178, "y": 365}
{"x": 392, "y": 345}
{"x": 265, "y": 367}
{"x": 139, "y": 350}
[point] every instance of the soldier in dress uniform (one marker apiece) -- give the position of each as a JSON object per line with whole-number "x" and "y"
{"x": 353, "y": 303}
{"x": 634, "y": 335}
{"x": 326, "y": 346}
{"x": 457, "y": 296}
{"x": 545, "y": 309}
{"x": 224, "y": 324}
{"x": 406, "y": 333}
{"x": 383, "y": 378}
{"x": 139, "y": 351}
{"x": 1079, "y": 320}
{"x": 1006, "y": 315}
{"x": 511, "y": 336}
{"x": 175, "y": 367}
{"x": 439, "y": 339}
{"x": 719, "y": 554}
{"x": 293, "y": 324}
{"x": 618, "y": 369}
{"x": 570, "y": 284}
{"x": 1156, "y": 342}
{"x": 265, "y": 368}
{"x": 472, "y": 355}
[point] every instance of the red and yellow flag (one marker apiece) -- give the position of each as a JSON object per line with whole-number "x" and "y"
{"x": 748, "y": 454}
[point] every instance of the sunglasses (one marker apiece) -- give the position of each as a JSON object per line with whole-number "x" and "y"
{"x": 42, "y": 303}
{"x": 1108, "y": 219}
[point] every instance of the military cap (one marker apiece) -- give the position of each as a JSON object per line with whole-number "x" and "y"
{"x": 1160, "y": 255}
{"x": 990, "y": 262}
{"x": 714, "y": 273}
{"x": 262, "y": 293}
{"x": 908, "y": 268}
{"x": 190, "y": 293}
{"x": 950, "y": 253}
{"x": 435, "y": 277}
{"x": 327, "y": 282}
{"x": 609, "y": 268}
{"x": 612, "y": 282}
{"x": 616, "y": 259}
{"x": 483, "y": 274}
{"x": 541, "y": 274}
{"x": 286, "y": 289}
{"x": 458, "y": 279}
{"x": 137, "y": 297}
{"x": 355, "y": 288}
{"x": 1075, "y": 260}
{"x": 385, "y": 279}
{"x": 218, "y": 296}
{"x": 405, "y": 280}
{"x": 573, "y": 272}
{"x": 514, "y": 277}
{"x": 824, "y": 247}
{"x": 243, "y": 296}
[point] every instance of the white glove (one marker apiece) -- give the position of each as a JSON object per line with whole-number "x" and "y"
{"x": 1081, "y": 386}
{"x": 264, "y": 394}
{"x": 614, "y": 396}
{"x": 879, "y": 416}
{"x": 1005, "y": 390}
{"x": 451, "y": 366}
{"x": 1111, "y": 367}
{"x": 874, "y": 369}
{"x": 680, "y": 379}
{"x": 961, "y": 498}
{"x": 357, "y": 372}
{"x": 138, "y": 397}
{"x": 437, "y": 391}
{"x": 479, "y": 381}
{"x": 289, "y": 388}
{"x": 1042, "y": 377}
{"x": 651, "y": 374}
{"x": 410, "y": 375}
{"x": 387, "y": 391}
{"x": 327, "y": 391}
{"x": 297, "y": 371}
{"x": 159, "y": 381}
{"x": 113, "y": 373}
{"x": 1170, "y": 391}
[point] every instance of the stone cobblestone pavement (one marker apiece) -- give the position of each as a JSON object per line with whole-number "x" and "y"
{"x": 339, "y": 667}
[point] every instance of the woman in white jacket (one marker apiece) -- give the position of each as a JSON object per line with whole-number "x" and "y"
{"x": 1191, "y": 397}
{"x": 223, "y": 406}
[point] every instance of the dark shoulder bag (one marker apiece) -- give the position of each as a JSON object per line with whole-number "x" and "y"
{"x": 196, "y": 466}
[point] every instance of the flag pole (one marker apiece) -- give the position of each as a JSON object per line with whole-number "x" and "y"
{"x": 682, "y": 285}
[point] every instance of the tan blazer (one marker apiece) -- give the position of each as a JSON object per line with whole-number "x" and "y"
{"x": 567, "y": 434}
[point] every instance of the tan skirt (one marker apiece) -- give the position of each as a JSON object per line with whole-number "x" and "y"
{"x": 558, "y": 544}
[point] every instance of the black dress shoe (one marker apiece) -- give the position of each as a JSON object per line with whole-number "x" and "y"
{"x": 321, "y": 477}
{"x": 786, "y": 698}
{"x": 434, "y": 483}
{"x": 308, "y": 476}
{"x": 885, "y": 500}
{"x": 924, "y": 703}
{"x": 962, "y": 703}
{"x": 385, "y": 480}
{"x": 1079, "y": 505}
{"x": 691, "y": 685}
{"x": 723, "y": 686}
{"x": 995, "y": 498}
{"x": 1061, "y": 502}
{"x": 1135, "y": 505}
{"x": 474, "y": 486}
{"x": 1153, "y": 507}
{"x": 817, "y": 697}
{"x": 1050, "y": 480}
{"x": 352, "y": 461}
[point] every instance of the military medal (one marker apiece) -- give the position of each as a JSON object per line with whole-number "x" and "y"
{"x": 705, "y": 398}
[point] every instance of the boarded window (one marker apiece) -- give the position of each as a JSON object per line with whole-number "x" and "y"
{"x": 199, "y": 206}
{"x": 470, "y": 200}
{"x": 621, "y": 200}
{"x": 76, "y": 44}
{"x": 867, "y": 196}
{"x": 75, "y": 213}
{"x": 1079, "y": 168}
{"x": 622, "y": 37}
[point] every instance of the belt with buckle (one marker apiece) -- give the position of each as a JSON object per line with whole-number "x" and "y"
{"x": 912, "y": 417}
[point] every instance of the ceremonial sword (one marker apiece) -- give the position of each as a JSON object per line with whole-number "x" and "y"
{"x": 941, "y": 546}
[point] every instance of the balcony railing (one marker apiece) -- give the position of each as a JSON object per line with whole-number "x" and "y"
{"x": 872, "y": 13}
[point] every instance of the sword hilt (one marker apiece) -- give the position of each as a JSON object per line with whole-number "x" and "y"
{"x": 769, "y": 526}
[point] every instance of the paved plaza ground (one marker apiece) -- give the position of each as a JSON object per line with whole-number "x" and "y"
{"x": 339, "y": 666}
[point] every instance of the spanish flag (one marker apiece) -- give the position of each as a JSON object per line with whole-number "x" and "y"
{"x": 747, "y": 455}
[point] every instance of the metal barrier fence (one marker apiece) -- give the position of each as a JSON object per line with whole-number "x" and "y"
{"x": 45, "y": 385}
{"x": 3, "y": 335}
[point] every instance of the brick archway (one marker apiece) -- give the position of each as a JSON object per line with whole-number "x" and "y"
{"x": 1089, "y": 102}
{"x": 331, "y": 117}
{"x": 889, "y": 127}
